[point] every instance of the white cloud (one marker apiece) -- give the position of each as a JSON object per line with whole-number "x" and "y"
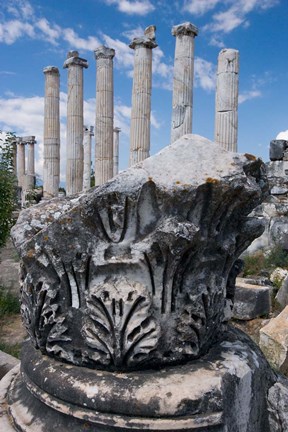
{"x": 205, "y": 74}
{"x": 283, "y": 135}
{"x": 133, "y": 33}
{"x": 50, "y": 32}
{"x": 199, "y": 7}
{"x": 12, "y": 30}
{"x": 76, "y": 42}
{"x": 248, "y": 95}
{"x": 19, "y": 8}
{"x": 124, "y": 55}
{"x": 132, "y": 7}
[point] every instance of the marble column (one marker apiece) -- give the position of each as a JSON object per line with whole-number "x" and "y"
{"x": 20, "y": 161}
{"x": 30, "y": 175}
{"x": 182, "y": 102}
{"x": 117, "y": 130}
{"x": 88, "y": 133}
{"x": 51, "y": 168}
{"x": 74, "y": 139}
{"x": 104, "y": 115}
{"x": 226, "y": 111}
{"x": 14, "y": 147}
{"x": 141, "y": 96}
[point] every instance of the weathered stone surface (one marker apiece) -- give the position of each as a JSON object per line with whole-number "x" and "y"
{"x": 274, "y": 341}
{"x": 129, "y": 275}
{"x": 7, "y": 362}
{"x": 224, "y": 391}
{"x": 250, "y": 301}
{"x": 282, "y": 294}
{"x": 277, "y": 148}
{"x": 278, "y": 406}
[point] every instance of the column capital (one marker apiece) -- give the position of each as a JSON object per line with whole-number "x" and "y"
{"x": 52, "y": 70}
{"x": 228, "y": 61}
{"x": 28, "y": 140}
{"x": 74, "y": 59}
{"x": 104, "y": 52}
{"x": 185, "y": 29}
{"x": 117, "y": 130}
{"x": 143, "y": 42}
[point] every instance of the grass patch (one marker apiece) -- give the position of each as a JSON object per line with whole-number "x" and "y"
{"x": 254, "y": 264}
{"x": 9, "y": 303}
{"x": 13, "y": 350}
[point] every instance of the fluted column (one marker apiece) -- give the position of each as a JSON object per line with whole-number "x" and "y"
{"x": 20, "y": 161}
{"x": 74, "y": 140}
{"x": 141, "y": 96}
{"x": 51, "y": 166}
{"x": 226, "y": 112}
{"x": 14, "y": 147}
{"x": 88, "y": 133}
{"x": 117, "y": 130}
{"x": 182, "y": 102}
{"x": 30, "y": 175}
{"x": 104, "y": 115}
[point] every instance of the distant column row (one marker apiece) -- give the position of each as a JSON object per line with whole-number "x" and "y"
{"x": 78, "y": 170}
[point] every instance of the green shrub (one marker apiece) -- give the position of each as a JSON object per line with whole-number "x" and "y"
{"x": 9, "y": 303}
{"x": 253, "y": 264}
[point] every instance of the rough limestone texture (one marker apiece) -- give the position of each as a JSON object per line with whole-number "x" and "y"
{"x": 278, "y": 406}
{"x": 131, "y": 272}
{"x": 274, "y": 341}
{"x": 282, "y": 294}
{"x": 7, "y": 362}
{"x": 251, "y": 300}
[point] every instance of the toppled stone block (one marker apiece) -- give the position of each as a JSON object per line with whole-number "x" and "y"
{"x": 282, "y": 294}
{"x": 274, "y": 341}
{"x": 277, "y": 148}
{"x": 278, "y": 406}
{"x": 250, "y": 301}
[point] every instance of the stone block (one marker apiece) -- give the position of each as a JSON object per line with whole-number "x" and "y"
{"x": 277, "y": 148}
{"x": 274, "y": 341}
{"x": 282, "y": 295}
{"x": 250, "y": 301}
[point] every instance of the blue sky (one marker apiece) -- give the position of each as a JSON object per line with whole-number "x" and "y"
{"x": 35, "y": 34}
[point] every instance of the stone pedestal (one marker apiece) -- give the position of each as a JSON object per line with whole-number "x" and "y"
{"x": 183, "y": 80}
{"x": 116, "y": 151}
{"x": 226, "y": 116}
{"x": 51, "y": 166}
{"x": 88, "y": 133}
{"x": 104, "y": 115}
{"x": 224, "y": 391}
{"x": 141, "y": 96}
{"x": 74, "y": 140}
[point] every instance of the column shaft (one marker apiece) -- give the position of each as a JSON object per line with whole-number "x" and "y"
{"x": 104, "y": 115}
{"x": 30, "y": 176}
{"x": 51, "y": 168}
{"x": 226, "y": 112}
{"x": 74, "y": 140}
{"x": 141, "y": 96}
{"x": 20, "y": 162}
{"x": 87, "y": 158}
{"x": 183, "y": 80}
{"x": 116, "y": 151}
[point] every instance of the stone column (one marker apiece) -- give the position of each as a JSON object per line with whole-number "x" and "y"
{"x": 14, "y": 146}
{"x": 20, "y": 161}
{"x": 226, "y": 112}
{"x": 117, "y": 130}
{"x": 74, "y": 140}
{"x": 88, "y": 133}
{"x": 51, "y": 168}
{"x": 30, "y": 175}
{"x": 183, "y": 80}
{"x": 141, "y": 96}
{"x": 104, "y": 115}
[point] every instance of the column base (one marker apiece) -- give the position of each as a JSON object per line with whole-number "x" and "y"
{"x": 222, "y": 392}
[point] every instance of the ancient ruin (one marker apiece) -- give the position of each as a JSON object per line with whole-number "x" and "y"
{"x": 183, "y": 80}
{"x": 87, "y": 146}
{"x": 116, "y": 131}
{"x": 141, "y": 96}
{"x": 74, "y": 146}
{"x": 126, "y": 295}
{"x": 226, "y": 115}
{"x": 104, "y": 115}
{"x": 51, "y": 138}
